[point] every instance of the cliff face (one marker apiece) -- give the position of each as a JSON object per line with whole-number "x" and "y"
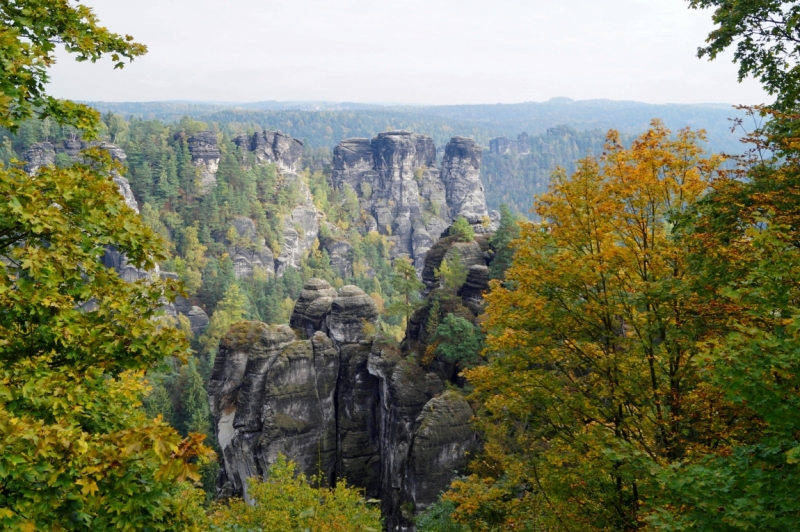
{"x": 205, "y": 156}
{"x": 300, "y": 227}
{"x": 403, "y": 192}
{"x": 274, "y": 147}
{"x": 337, "y": 402}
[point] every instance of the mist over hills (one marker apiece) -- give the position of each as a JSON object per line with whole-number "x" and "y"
{"x": 321, "y": 124}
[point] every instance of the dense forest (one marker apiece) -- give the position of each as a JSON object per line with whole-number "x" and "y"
{"x": 155, "y": 153}
{"x": 320, "y": 125}
{"x": 625, "y": 359}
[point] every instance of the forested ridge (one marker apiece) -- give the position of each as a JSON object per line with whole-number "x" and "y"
{"x": 626, "y": 358}
{"x": 320, "y": 125}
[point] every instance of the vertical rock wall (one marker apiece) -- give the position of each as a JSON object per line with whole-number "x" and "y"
{"x": 205, "y": 156}
{"x": 404, "y": 193}
{"x": 337, "y": 403}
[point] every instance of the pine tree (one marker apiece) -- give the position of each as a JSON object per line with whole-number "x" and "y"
{"x": 501, "y": 242}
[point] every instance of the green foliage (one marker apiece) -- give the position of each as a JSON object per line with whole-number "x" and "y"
{"x": 288, "y": 502}
{"x": 590, "y": 387}
{"x": 745, "y": 233}
{"x": 230, "y": 310}
{"x": 765, "y": 33}
{"x": 501, "y": 243}
{"x": 452, "y": 273}
{"x": 29, "y": 33}
{"x": 462, "y": 230}
{"x": 407, "y": 286}
{"x": 53, "y": 234}
{"x": 439, "y": 518}
{"x": 458, "y": 341}
{"x": 194, "y": 414}
{"x": 78, "y": 450}
{"x": 79, "y": 453}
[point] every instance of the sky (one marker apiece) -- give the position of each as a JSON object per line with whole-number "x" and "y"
{"x": 408, "y": 51}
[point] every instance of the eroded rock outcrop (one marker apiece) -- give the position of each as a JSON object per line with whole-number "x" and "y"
{"x": 300, "y": 229}
{"x": 274, "y": 147}
{"x": 404, "y": 194}
{"x": 205, "y": 156}
{"x": 272, "y": 393}
{"x": 461, "y": 174}
{"x": 338, "y": 402}
{"x": 39, "y": 155}
{"x": 249, "y": 253}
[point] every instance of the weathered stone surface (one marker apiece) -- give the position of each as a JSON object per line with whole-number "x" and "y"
{"x": 433, "y": 260}
{"x": 404, "y": 390}
{"x": 340, "y": 252}
{"x": 476, "y": 284}
{"x": 250, "y": 254}
{"x": 312, "y": 307}
{"x": 298, "y": 411}
{"x": 245, "y": 228}
{"x": 198, "y": 319}
{"x": 461, "y": 176}
{"x": 205, "y": 156}
{"x": 398, "y": 185}
{"x": 39, "y": 155}
{"x": 500, "y": 145}
{"x": 439, "y": 449}
{"x": 247, "y": 261}
{"x": 351, "y": 309}
{"x": 338, "y": 403}
{"x": 274, "y": 147}
{"x": 300, "y": 229}
{"x": 271, "y": 394}
{"x": 404, "y": 194}
{"x": 359, "y": 445}
{"x": 125, "y": 189}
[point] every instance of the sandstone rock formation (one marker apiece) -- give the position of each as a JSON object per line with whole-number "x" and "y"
{"x": 205, "y": 156}
{"x": 274, "y": 147}
{"x": 500, "y": 146}
{"x": 403, "y": 192}
{"x": 249, "y": 253}
{"x": 337, "y": 402}
{"x": 461, "y": 174}
{"x": 272, "y": 393}
{"x": 300, "y": 229}
{"x": 39, "y": 155}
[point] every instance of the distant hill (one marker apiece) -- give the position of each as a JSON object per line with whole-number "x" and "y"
{"x": 322, "y": 124}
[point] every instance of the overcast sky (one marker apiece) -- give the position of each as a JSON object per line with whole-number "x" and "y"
{"x": 408, "y": 51}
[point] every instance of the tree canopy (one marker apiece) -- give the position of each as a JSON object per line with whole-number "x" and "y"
{"x": 30, "y": 32}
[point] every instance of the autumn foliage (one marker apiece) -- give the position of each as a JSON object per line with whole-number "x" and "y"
{"x": 597, "y": 341}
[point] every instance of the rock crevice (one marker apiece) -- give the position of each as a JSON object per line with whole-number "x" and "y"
{"x": 340, "y": 404}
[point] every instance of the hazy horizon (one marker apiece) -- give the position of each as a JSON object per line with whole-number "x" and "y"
{"x": 419, "y": 52}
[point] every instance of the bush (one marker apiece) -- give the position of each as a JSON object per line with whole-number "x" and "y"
{"x": 462, "y": 230}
